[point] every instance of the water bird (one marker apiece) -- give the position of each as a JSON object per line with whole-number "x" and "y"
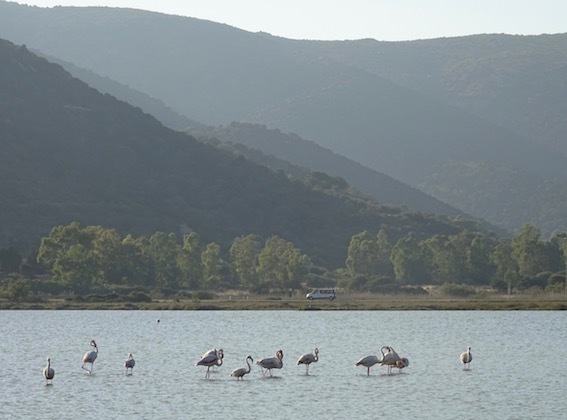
{"x": 270, "y": 363}
{"x": 130, "y": 363}
{"x": 390, "y": 358}
{"x": 308, "y": 358}
{"x": 48, "y": 373}
{"x": 402, "y": 363}
{"x": 90, "y": 357}
{"x": 209, "y": 359}
{"x": 240, "y": 372}
{"x": 466, "y": 358}
{"x": 368, "y": 362}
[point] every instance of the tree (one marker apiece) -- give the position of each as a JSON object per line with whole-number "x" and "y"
{"x": 362, "y": 255}
{"x": 481, "y": 268}
{"x": 164, "y": 251}
{"x": 17, "y": 290}
{"x": 136, "y": 267}
{"x": 281, "y": 265}
{"x": 60, "y": 240}
{"x": 529, "y": 251}
{"x": 506, "y": 269}
{"x": 408, "y": 261}
{"x": 384, "y": 252}
{"x": 189, "y": 261}
{"x": 70, "y": 254}
{"x": 212, "y": 265}
{"x": 244, "y": 260}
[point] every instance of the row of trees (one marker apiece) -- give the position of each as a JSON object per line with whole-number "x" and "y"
{"x": 523, "y": 261}
{"x": 94, "y": 256}
{"x": 80, "y": 258}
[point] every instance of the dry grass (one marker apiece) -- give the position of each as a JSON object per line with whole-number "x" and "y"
{"x": 357, "y": 302}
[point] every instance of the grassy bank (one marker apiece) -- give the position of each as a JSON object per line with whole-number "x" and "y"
{"x": 354, "y": 303}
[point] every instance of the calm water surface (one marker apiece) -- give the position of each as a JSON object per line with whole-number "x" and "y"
{"x": 518, "y": 369}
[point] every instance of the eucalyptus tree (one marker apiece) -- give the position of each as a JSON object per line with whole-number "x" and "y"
{"x": 362, "y": 254}
{"x": 529, "y": 251}
{"x": 506, "y": 269}
{"x": 212, "y": 265}
{"x": 164, "y": 250}
{"x": 481, "y": 267}
{"x": 189, "y": 261}
{"x": 244, "y": 262}
{"x": 71, "y": 254}
{"x": 409, "y": 261}
{"x": 281, "y": 264}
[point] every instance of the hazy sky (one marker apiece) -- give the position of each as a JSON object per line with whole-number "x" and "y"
{"x": 388, "y": 20}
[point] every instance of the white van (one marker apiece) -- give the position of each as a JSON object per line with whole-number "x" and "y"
{"x": 321, "y": 294}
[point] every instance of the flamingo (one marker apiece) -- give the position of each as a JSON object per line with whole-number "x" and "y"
{"x": 466, "y": 358}
{"x": 368, "y": 362}
{"x": 48, "y": 373}
{"x": 240, "y": 372}
{"x": 211, "y": 358}
{"x": 270, "y": 363}
{"x": 90, "y": 357}
{"x": 130, "y": 363}
{"x": 307, "y": 359}
{"x": 402, "y": 363}
{"x": 390, "y": 358}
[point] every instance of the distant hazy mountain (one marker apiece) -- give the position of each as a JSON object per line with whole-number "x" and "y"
{"x": 150, "y": 105}
{"x": 74, "y": 154}
{"x": 411, "y": 110}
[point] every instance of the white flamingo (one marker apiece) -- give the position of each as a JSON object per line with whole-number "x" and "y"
{"x": 90, "y": 357}
{"x": 270, "y": 363}
{"x": 48, "y": 373}
{"x": 130, "y": 363}
{"x": 308, "y": 358}
{"x": 466, "y": 357}
{"x": 368, "y": 362}
{"x": 211, "y": 359}
{"x": 390, "y": 358}
{"x": 240, "y": 372}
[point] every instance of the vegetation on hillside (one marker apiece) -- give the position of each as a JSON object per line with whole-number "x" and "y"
{"x": 406, "y": 109}
{"x": 78, "y": 155}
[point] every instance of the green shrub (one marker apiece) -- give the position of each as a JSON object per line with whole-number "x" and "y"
{"x": 139, "y": 297}
{"x": 456, "y": 290}
{"x": 17, "y": 290}
{"x": 204, "y": 295}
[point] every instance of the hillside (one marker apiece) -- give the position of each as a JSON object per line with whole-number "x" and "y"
{"x": 517, "y": 82}
{"x": 76, "y": 154}
{"x": 410, "y": 110}
{"x": 309, "y": 155}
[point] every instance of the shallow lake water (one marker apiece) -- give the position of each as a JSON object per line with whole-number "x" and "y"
{"x": 518, "y": 369}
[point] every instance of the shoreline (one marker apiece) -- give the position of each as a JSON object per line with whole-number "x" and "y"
{"x": 377, "y": 304}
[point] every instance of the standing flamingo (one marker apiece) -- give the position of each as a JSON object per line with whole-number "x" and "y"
{"x": 270, "y": 363}
{"x": 466, "y": 358}
{"x": 368, "y": 362}
{"x": 130, "y": 363}
{"x": 90, "y": 357}
{"x": 390, "y": 358}
{"x": 307, "y": 359}
{"x": 211, "y": 359}
{"x": 48, "y": 373}
{"x": 240, "y": 372}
